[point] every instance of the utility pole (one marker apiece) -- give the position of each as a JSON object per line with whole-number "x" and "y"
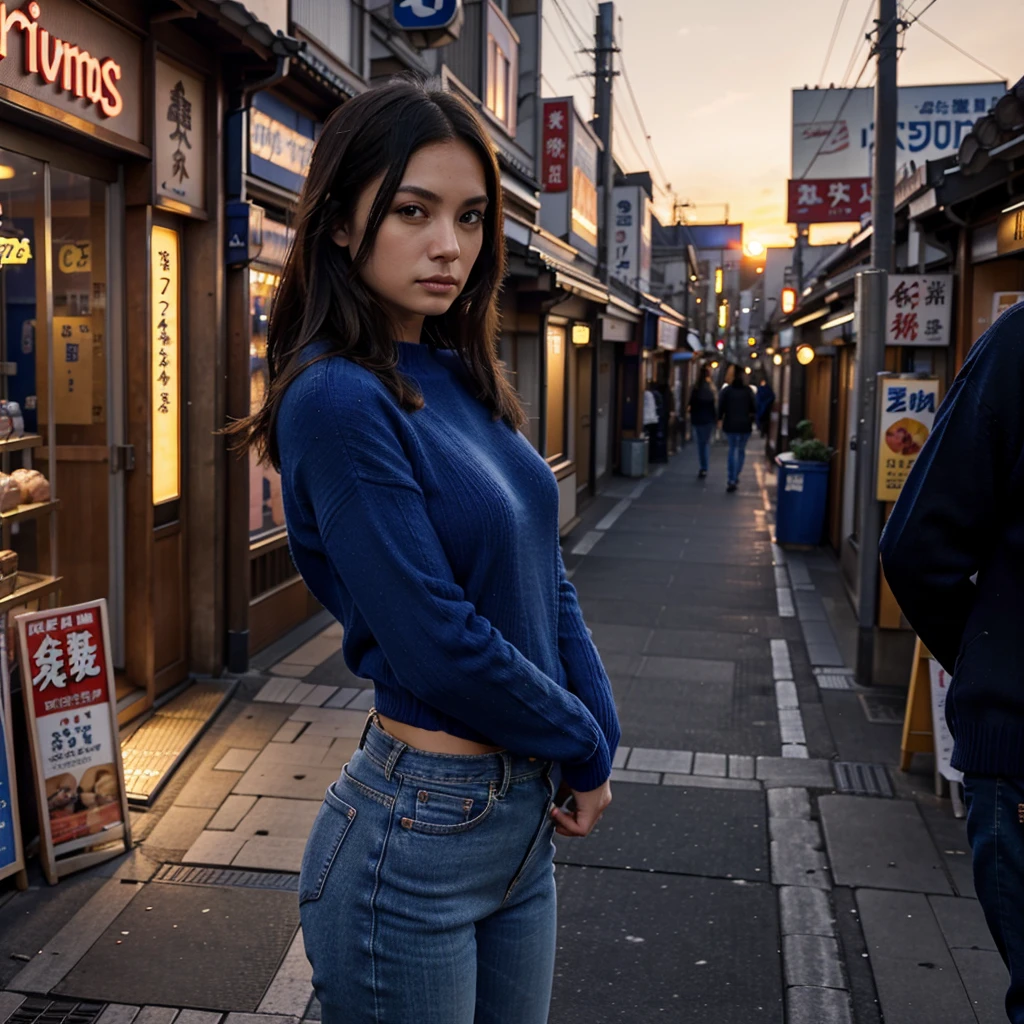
{"x": 872, "y": 291}
{"x": 604, "y": 73}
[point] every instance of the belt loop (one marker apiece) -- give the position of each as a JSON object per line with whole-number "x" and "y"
{"x": 371, "y": 717}
{"x": 397, "y": 750}
{"x": 506, "y": 773}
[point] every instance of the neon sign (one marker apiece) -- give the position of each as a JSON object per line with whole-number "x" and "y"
{"x": 61, "y": 63}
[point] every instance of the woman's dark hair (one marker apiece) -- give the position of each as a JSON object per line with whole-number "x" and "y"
{"x": 321, "y": 296}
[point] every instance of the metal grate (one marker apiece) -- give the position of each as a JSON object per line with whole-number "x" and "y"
{"x": 880, "y": 709}
{"x": 862, "y": 779}
{"x": 40, "y": 1010}
{"x": 834, "y": 680}
{"x": 176, "y": 874}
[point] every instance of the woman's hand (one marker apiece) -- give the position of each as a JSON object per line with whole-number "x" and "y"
{"x": 586, "y": 812}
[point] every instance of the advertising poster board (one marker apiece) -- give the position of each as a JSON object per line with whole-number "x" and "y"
{"x": 919, "y": 309}
{"x": 906, "y": 417}
{"x": 71, "y": 708}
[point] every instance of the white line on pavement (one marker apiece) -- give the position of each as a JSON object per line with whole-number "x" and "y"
{"x": 613, "y": 517}
{"x": 587, "y": 542}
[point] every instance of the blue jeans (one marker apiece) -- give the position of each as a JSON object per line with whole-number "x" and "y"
{"x": 702, "y": 433}
{"x": 427, "y": 890}
{"x": 737, "y": 455}
{"x": 995, "y": 828}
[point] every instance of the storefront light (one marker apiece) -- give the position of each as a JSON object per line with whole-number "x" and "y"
{"x": 746, "y": 369}
{"x": 777, "y": 359}
{"x": 581, "y": 334}
{"x": 718, "y": 280}
{"x": 714, "y": 365}
{"x": 805, "y": 355}
{"x": 6, "y": 172}
{"x": 751, "y": 341}
{"x": 769, "y": 351}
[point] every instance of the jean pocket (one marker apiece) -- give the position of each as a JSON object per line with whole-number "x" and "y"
{"x": 440, "y": 813}
{"x": 332, "y": 824}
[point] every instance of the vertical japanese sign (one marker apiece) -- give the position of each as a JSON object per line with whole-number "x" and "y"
{"x": 919, "y": 309}
{"x": 165, "y": 302}
{"x": 73, "y": 369}
{"x": 72, "y": 718}
{"x": 907, "y": 415}
{"x": 179, "y": 160}
{"x": 555, "y": 162}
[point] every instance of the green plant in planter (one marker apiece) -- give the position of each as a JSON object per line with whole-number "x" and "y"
{"x": 807, "y": 448}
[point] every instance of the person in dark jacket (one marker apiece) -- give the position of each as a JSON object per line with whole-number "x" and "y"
{"x": 736, "y": 409}
{"x": 953, "y": 553}
{"x": 702, "y": 418}
{"x": 765, "y": 399}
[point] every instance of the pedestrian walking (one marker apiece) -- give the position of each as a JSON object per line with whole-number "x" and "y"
{"x": 422, "y": 518}
{"x": 703, "y": 403}
{"x": 953, "y": 553}
{"x": 765, "y": 399}
{"x": 736, "y": 410}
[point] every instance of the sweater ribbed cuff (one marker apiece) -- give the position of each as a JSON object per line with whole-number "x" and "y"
{"x": 590, "y": 774}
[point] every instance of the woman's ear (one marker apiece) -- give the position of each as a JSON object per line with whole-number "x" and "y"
{"x": 341, "y": 237}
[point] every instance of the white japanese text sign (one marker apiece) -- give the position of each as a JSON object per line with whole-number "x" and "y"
{"x": 72, "y": 713}
{"x": 919, "y": 309}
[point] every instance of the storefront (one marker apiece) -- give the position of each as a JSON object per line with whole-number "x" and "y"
{"x": 270, "y": 147}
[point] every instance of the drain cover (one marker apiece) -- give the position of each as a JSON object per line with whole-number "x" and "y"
{"x": 178, "y": 875}
{"x": 881, "y": 709}
{"x": 862, "y": 779}
{"x": 834, "y": 680}
{"x": 55, "y": 1011}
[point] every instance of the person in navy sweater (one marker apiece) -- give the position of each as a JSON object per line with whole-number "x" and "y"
{"x": 423, "y": 519}
{"x": 953, "y": 553}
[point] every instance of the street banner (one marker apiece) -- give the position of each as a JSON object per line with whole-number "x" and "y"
{"x": 834, "y": 130}
{"x": 906, "y": 417}
{"x": 942, "y": 737}
{"x": 12, "y": 860}
{"x": 828, "y": 200}
{"x": 71, "y": 707}
{"x": 555, "y": 162}
{"x": 919, "y": 309}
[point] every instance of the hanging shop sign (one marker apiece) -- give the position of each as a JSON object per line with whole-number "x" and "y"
{"x": 165, "y": 340}
{"x": 583, "y": 222}
{"x": 919, "y": 309}
{"x": 179, "y": 151}
{"x": 906, "y": 416}
{"x": 632, "y": 263}
{"x": 424, "y": 14}
{"x": 828, "y": 200}
{"x": 281, "y": 142}
{"x": 60, "y": 54}
{"x": 569, "y": 173}
{"x": 555, "y": 161}
{"x": 834, "y": 130}
{"x": 72, "y": 723}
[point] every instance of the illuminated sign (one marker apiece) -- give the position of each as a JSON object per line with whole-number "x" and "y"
{"x": 14, "y": 252}
{"x": 61, "y": 63}
{"x": 278, "y": 144}
{"x": 165, "y": 301}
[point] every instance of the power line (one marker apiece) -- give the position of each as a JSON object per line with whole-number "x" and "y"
{"x": 859, "y": 44}
{"x": 832, "y": 41}
{"x": 959, "y": 49}
{"x": 640, "y": 118}
{"x": 580, "y": 40}
{"x": 918, "y": 15}
{"x": 572, "y": 61}
{"x": 586, "y": 34}
{"x": 620, "y": 124}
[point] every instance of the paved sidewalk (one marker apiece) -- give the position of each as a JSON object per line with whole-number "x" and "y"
{"x": 732, "y": 881}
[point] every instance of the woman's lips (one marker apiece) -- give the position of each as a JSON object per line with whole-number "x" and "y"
{"x": 438, "y": 285}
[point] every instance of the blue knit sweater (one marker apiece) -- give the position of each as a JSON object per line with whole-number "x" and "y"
{"x": 432, "y": 537}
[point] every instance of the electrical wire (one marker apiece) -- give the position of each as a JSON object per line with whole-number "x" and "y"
{"x": 643, "y": 125}
{"x": 832, "y": 41}
{"x": 859, "y": 43}
{"x": 572, "y": 14}
{"x": 580, "y": 41}
{"x": 918, "y": 15}
{"x": 570, "y": 59}
{"x": 619, "y": 124}
{"x": 959, "y": 49}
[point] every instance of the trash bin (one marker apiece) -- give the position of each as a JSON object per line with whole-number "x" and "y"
{"x": 800, "y": 504}
{"x": 634, "y": 456}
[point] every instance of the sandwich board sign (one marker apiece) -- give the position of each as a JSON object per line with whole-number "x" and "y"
{"x": 71, "y": 708}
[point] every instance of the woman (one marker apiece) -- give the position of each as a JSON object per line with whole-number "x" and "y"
{"x": 702, "y": 418}
{"x": 736, "y": 409}
{"x": 425, "y": 522}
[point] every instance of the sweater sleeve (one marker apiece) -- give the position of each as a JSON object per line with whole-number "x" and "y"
{"x": 371, "y": 515}
{"x": 583, "y": 668}
{"x": 936, "y": 537}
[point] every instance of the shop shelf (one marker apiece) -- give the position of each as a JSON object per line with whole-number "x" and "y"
{"x": 30, "y": 511}
{"x": 17, "y": 444}
{"x": 31, "y": 587}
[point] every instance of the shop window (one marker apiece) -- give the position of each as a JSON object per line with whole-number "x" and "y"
{"x": 554, "y": 445}
{"x": 502, "y": 69}
{"x": 266, "y": 507}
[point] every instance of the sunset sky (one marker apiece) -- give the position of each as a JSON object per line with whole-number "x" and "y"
{"x": 713, "y": 82}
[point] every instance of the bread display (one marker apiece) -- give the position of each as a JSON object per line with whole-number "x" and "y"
{"x": 8, "y": 562}
{"x": 10, "y": 493}
{"x": 34, "y": 486}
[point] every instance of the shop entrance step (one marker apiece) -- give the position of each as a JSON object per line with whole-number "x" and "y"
{"x": 157, "y": 747}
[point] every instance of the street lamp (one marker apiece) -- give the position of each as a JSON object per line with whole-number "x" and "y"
{"x": 805, "y": 355}
{"x": 777, "y": 359}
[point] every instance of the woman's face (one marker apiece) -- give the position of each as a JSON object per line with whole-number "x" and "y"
{"x": 429, "y": 238}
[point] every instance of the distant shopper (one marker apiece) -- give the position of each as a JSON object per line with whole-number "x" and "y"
{"x": 765, "y": 401}
{"x": 736, "y": 410}
{"x": 703, "y": 401}
{"x": 953, "y": 553}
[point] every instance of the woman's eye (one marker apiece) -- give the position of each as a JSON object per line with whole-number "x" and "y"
{"x": 410, "y": 211}
{"x": 473, "y": 217}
